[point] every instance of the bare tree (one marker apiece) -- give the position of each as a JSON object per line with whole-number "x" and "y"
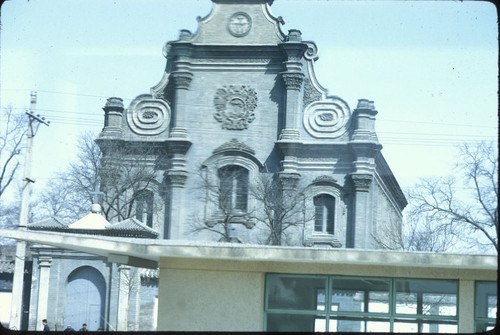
{"x": 466, "y": 210}
{"x": 120, "y": 173}
{"x": 275, "y": 209}
{"x": 225, "y": 206}
{"x": 278, "y": 209}
{"x": 125, "y": 172}
{"x": 13, "y": 131}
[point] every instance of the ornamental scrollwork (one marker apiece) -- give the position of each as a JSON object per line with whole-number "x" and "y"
{"x": 148, "y": 116}
{"x": 235, "y": 105}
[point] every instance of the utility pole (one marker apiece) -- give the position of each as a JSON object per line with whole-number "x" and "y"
{"x": 17, "y": 307}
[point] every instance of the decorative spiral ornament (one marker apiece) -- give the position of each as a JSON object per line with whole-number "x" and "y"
{"x": 148, "y": 116}
{"x": 326, "y": 119}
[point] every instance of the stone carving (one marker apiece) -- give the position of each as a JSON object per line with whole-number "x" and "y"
{"x": 326, "y": 118}
{"x": 235, "y": 106}
{"x": 310, "y": 93}
{"x": 148, "y": 116}
{"x": 239, "y": 24}
{"x": 311, "y": 52}
{"x": 182, "y": 80}
{"x": 361, "y": 182}
{"x": 234, "y": 145}
{"x": 325, "y": 179}
{"x": 293, "y": 81}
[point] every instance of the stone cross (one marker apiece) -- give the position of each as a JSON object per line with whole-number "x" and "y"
{"x": 96, "y": 194}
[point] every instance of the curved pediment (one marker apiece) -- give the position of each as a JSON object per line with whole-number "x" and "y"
{"x": 238, "y": 22}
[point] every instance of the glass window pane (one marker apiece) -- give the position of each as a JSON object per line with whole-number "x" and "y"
{"x": 291, "y": 323}
{"x": 439, "y": 328}
{"x": 301, "y": 293}
{"x": 486, "y": 299}
{"x": 361, "y": 295}
{"x": 426, "y": 297}
{"x": 378, "y": 326}
{"x": 405, "y": 327}
{"x": 348, "y": 325}
{"x": 358, "y": 325}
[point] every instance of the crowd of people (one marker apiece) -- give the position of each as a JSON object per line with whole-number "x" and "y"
{"x": 46, "y": 327}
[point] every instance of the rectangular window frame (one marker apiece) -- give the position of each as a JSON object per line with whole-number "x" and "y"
{"x": 482, "y": 323}
{"x": 421, "y": 320}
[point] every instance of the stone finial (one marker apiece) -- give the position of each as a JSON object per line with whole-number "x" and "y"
{"x": 95, "y": 208}
{"x": 114, "y": 104}
{"x": 294, "y": 35}
{"x": 365, "y": 104}
{"x": 185, "y": 35}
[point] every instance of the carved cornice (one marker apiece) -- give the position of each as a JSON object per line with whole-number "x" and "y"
{"x": 182, "y": 80}
{"x": 361, "y": 182}
{"x": 293, "y": 80}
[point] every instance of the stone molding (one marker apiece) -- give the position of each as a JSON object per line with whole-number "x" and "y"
{"x": 235, "y": 105}
{"x": 361, "y": 182}
{"x": 289, "y": 180}
{"x": 324, "y": 179}
{"x": 177, "y": 178}
{"x": 234, "y": 145}
{"x": 44, "y": 261}
{"x": 182, "y": 79}
{"x": 293, "y": 80}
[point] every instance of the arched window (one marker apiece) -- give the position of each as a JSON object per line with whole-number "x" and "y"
{"x": 324, "y": 214}
{"x": 144, "y": 207}
{"x": 233, "y": 188}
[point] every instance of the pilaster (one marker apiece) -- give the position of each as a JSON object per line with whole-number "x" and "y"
{"x": 44, "y": 263}
{"x": 359, "y": 226}
{"x": 293, "y": 77}
{"x": 123, "y": 292}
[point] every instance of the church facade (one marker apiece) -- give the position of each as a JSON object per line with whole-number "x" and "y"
{"x": 244, "y": 146}
{"x": 239, "y": 105}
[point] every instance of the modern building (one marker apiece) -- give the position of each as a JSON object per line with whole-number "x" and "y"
{"x": 239, "y": 127}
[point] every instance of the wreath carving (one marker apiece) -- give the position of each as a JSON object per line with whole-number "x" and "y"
{"x": 235, "y": 105}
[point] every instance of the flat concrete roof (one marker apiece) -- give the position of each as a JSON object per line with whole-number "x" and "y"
{"x": 150, "y": 251}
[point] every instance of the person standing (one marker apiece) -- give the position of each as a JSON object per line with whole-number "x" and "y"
{"x": 46, "y": 327}
{"x": 84, "y": 328}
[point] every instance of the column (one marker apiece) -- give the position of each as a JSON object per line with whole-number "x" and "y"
{"x": 465, "y": 306}
{"x": 359, "y": 226}
{"x": 44, "y": 263}
{"x": 123, "y": 293}
{"x": 178, "y": 144}
{"x": 292, "y": 77}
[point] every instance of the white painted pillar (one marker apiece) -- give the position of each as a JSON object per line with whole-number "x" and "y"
{"x": 466, "y": 306}
{"x": 123, "y": 292}
{"x": 44, "y": 263}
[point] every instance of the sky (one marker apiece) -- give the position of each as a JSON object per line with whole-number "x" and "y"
{"x": 429, "y": 66}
